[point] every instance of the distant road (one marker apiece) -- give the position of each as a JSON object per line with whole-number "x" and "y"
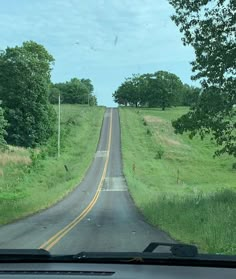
{"x": 99, "y": 215}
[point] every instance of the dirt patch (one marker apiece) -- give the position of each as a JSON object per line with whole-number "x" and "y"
{"x": 153, "y": 119}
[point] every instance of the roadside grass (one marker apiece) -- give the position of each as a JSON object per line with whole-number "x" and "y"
{"x": 29, "y": 183}
{"x": 176, "y": 183}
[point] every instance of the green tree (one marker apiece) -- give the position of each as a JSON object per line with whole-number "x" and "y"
{"x": 144, "y": 89}
{"x": 209, "y": 26}
{"x": 25, "y": 79}
{"x": 128, "y": 92}
{"x": 93, "y": 101}
{"x": 76, "y": 92}
{"x": 161, "y": 89}
{"x": 190, "y": 95}
{"x": 120, "y": 95}
{"x": 3, "y": 133}
{"x": 54, "y": 93}
{"x": 164, "y": 89}
{"x": 135, "y": 90}
{"x": 88, "y": 84}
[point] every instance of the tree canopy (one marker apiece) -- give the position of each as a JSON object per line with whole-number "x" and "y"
{"x": 75, "y": 91}
{"x": 209, "y": 26}
{"x": 159, "y": 89}
{"x": 24, "y": 83}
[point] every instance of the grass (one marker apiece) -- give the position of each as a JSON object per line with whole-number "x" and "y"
{"x": 176, "y": 183}
{"x": 28, "y": 186}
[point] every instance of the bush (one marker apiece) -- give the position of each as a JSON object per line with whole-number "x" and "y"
{"x": 160, "y": 152}
{"x": 3, "y": 133}
{"x": 149, "y": 132}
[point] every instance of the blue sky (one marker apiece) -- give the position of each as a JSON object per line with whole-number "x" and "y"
{"x": 104, "y": 40}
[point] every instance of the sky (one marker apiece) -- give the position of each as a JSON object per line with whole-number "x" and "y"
{"x": 103, "y": 40}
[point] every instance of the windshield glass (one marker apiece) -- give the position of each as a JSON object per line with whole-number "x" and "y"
{"x": 117, "y": 125}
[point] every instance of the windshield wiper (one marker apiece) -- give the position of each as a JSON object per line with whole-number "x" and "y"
{"x": 178, "y": 250}
{"x": 178, "y": 254}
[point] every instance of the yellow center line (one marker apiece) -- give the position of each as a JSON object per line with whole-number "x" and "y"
{"x": 59, "y": 235}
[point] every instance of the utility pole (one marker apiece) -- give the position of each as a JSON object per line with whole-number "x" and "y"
{"x": 59, "y": 127}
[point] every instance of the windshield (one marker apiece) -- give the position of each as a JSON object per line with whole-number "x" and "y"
{"x": 117, "y": 125}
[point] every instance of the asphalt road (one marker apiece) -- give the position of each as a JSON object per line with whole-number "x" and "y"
{"x": 99, "y": 215}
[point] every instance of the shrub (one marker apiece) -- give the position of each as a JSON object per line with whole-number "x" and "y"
{"x": 160, "y": 152}
{"x": 149, "y": 132}
{"x": 3, "y": 133}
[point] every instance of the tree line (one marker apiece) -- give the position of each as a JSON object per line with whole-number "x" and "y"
{"x": 160, "y": 89}
{"x": 75, "y": 91}
{"x": 27, "y": 117}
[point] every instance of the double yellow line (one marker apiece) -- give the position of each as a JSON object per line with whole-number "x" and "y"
{"x": 58, "y": 236}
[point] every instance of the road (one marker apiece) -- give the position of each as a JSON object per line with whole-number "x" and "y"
{"x": 99, "y": 215}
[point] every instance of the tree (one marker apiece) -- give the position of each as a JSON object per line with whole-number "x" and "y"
{"x": 88, "y": 84}
{"x": 121, "y": 95}
{"x": 93, "y": 101}
{"x": 54, "y": 93}
{"x": 190, "y": 95}
{"x": 209, "y": 26}
{"x": 25, "y": 79}
{"x": 127, "y": 93}
{"x": 161, "y": 89}
{"x": 144, "y": 89}
{"x": 75, "y": 91}
{"x": 135, "y": 90}
{"x": 3, "y": 133}
{"x": 164, "y": 89}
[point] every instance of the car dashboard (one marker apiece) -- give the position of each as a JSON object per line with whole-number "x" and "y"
{"x": 85, "y": 270}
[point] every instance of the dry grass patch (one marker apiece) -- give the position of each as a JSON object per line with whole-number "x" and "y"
{"x": 159, "y": 127}
{"x": 168, "y": 141}
{"x": 6, "y": 158}
{"x": 163, "y": 135}
{"x": 15, "y": 155}
{"x": 17, "y": 149}
{"x": 153, "y": 119}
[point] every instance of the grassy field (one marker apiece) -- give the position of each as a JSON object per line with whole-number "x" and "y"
{"x": 176, "y": 183}
{"x": 28, "y": 185}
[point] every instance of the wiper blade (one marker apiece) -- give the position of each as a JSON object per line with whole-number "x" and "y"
{"x": 24, "y": 254}
{"x": 178, "y": 250}
{"x": 208, "y": 260}
{"x": 178, "y": 254}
